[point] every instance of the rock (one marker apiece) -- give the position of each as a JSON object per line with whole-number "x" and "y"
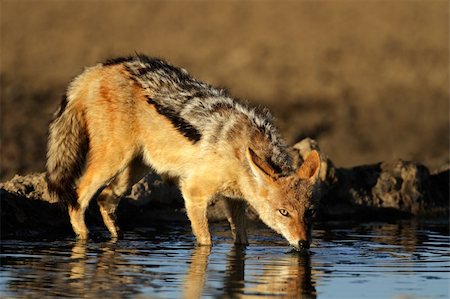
{"x": 383, "y": 190}
{"x": 31, "y": 186}
{"x": 28, "y": 217}
{"x": 399, "y": 187}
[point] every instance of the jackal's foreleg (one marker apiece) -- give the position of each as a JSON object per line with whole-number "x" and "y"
{"x": 235, "y": 212}
{"x": 196, "y": 202}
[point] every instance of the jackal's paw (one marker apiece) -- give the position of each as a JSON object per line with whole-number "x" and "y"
{"x": 82, "y": 235}
{"x": 204, "y": 242}
{"x": 118, "y": 235}
{"x": 240, "y": 239}
{"x": 241, "y": 243}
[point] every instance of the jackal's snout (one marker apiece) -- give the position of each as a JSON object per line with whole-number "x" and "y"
{"x": 301, "y": 238}
{"x": 303, "y": 244}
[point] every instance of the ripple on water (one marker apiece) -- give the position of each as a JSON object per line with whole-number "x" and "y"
{"x": 378, "y": 260}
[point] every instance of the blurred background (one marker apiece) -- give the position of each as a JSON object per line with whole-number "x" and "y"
{"x": 368, "y": 79}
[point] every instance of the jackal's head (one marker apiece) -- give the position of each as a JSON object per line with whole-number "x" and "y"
{"x": 286, "y": 203}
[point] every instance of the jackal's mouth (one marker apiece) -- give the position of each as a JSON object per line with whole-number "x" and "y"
{"x": 300, "y": 246}
{"x": 298, "y": 250}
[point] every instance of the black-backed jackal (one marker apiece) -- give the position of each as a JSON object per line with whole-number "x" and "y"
{"x": 144, "y": 108}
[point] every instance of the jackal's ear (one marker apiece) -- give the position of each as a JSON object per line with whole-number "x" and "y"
{"x": 260, "y": 168}
{"x": 311, "y": 167}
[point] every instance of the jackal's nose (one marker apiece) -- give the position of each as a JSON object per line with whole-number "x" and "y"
{"x": 303, "y": 244}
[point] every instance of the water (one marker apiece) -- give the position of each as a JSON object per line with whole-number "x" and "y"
{"x": 377, "y": 260}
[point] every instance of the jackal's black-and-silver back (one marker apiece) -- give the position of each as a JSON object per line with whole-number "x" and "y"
{"x": 200, "y": 111}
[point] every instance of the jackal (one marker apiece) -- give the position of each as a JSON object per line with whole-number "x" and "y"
{"x": 144, "y": 108}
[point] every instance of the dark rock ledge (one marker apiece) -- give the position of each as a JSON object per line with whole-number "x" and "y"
{"x": 382, "y": 191}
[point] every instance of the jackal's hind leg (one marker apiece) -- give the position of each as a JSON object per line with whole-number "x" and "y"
{"x": 235, "y": 212}
{"x": 76, "y": 215}
{"x": 108, "y": 202}
{"x": 109, "y": 199}
{"x": 97, "y": 176}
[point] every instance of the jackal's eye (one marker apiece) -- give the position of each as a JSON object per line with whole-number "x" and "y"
{"x": 310, "y": 212}
{"x": 283, "y": 212}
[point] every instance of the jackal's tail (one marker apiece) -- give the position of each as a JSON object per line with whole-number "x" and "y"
{"x": 66, "y": 153}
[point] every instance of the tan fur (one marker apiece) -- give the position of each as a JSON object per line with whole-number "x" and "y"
{"x": 122, "y": 123}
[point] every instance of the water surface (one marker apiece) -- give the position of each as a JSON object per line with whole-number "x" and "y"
{"x": 378, "y": 260}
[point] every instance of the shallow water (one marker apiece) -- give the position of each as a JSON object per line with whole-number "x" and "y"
{"x": 376, "y": 260}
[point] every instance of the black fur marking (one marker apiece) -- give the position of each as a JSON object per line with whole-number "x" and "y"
{"x": 118, "y": 60}
{"x": 274, "y": 166}
{"x": 155, "y": 64}
{"x": 142, "y": 71}
{"x": 199, "y": 94}
{"x": 167, "y": 75}
{"x": 62, "y": 107}
{"x": 175, "y": 74}
{"x": 67, "y": 195}
{"x": 185, "y": 128}
{"x": 221, "y": 107}
{"x": 152, "y": 65}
